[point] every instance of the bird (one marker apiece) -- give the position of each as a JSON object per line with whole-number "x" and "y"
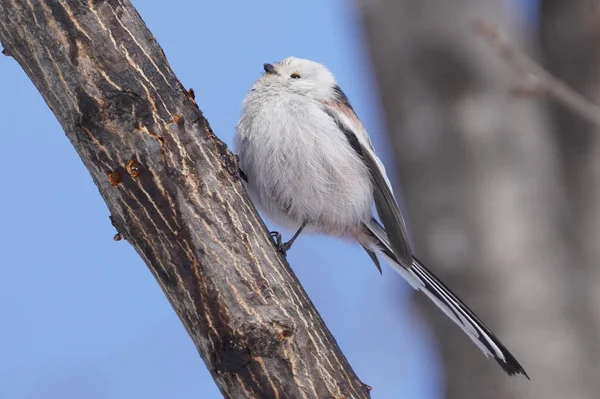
{"x": 309, "y": 165}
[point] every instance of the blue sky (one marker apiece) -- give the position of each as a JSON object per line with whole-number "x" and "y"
{"x": 82, "y": 315}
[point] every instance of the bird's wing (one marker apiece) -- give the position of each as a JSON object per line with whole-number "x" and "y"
{"x": 344, "y": 116}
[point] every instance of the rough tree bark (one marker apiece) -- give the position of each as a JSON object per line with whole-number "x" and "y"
{"x": 481, "y": 178}
{"x": 174, "y": 193}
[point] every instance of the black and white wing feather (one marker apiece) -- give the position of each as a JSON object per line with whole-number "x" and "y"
{"x": 342, "y": 113}
{"x": 393, "y": 243}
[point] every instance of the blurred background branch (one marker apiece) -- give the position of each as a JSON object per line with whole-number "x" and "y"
{"x": 500, "y": 190}
{"x": 535, "y": 80}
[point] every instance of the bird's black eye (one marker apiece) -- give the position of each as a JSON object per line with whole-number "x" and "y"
{"x": 295, "y": 75}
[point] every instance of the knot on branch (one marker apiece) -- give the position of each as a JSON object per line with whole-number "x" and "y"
{"x": 235, "y": 352}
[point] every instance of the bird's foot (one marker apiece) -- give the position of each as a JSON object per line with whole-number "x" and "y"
{"x": 282, "y": 247}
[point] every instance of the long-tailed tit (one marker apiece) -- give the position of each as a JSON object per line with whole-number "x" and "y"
{"x": 309, "y": 164}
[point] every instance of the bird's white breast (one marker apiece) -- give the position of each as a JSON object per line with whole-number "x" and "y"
{"x": 300, "y": 166}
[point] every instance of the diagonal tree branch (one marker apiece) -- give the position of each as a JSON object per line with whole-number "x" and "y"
{"x": 174, "y": 192}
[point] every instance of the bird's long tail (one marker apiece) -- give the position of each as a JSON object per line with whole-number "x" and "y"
{"x": 423, "y": 280}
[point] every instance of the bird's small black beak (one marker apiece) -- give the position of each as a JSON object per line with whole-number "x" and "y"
{"x": 269, "y": 68}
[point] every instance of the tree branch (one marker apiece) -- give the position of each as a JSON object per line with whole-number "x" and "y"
{"x": 537, "y": 80}
{"x": 173, "y": 191}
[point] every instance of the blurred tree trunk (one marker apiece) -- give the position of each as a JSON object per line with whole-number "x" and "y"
{"x": 481, "y": 177}
{"x": 570, "y": 38}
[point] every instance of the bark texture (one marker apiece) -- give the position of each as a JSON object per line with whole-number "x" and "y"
{"x": 482, "y": 176}
{"x": 174, "y": 192}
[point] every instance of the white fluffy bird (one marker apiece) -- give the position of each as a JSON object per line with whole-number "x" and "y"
{"x": 309, "y": 164}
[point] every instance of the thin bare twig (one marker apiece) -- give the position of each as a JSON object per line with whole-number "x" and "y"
{"x": 538, "y": 80}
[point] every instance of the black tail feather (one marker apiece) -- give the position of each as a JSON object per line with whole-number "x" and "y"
{"x": 423, "y": 279}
